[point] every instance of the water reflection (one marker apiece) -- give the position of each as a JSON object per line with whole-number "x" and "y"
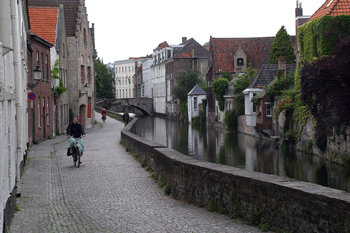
{"x": 243, "y": 151}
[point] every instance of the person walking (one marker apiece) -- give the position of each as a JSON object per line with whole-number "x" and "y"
{"x": 126, "y": 118}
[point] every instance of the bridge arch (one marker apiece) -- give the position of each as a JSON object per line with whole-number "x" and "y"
{"x": 145, "y": 105}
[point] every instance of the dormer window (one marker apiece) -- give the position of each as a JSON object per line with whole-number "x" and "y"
{"x": 328, "y": 4}
{"x": 240, "y": 61}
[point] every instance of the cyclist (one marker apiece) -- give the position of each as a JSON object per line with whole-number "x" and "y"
{"x": 74, "y": 133}
{"x": 103, "y": 113}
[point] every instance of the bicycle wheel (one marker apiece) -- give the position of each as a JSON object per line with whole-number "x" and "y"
{"x": 74, "y": 156}
{"x": 78, "y": 156}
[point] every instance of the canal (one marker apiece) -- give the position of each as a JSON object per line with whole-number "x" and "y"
{"x": 242, "y": 151}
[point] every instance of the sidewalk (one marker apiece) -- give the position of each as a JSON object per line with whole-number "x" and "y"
{"x": 110, "y": 192}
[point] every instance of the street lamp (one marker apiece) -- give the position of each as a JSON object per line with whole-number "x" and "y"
{"x": 37, "y": 77}
{"x": 37, "y": 73}
{"x": 86, "y": 90}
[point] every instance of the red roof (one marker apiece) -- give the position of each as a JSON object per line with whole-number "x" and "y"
{"x": 257, "y": 50}
{"x": 163, "y": 45}
{"x": 332, "y": 8}
{"x": 43, "y": 22}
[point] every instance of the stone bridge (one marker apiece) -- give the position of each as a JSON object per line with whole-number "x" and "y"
{"x": 144, "y": 105}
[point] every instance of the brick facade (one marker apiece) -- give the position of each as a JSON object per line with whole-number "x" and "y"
{"x": 40, "y": 110}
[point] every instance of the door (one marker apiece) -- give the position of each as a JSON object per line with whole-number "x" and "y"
{"x": 82, "y": 115}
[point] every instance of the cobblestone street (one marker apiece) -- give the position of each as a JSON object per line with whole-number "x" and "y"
{"x": 110, "y": 192}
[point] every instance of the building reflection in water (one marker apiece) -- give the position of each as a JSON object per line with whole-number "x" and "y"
{"x": 242, "y": 151}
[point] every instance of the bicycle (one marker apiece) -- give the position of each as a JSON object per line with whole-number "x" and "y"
{"x": 76, "y": 154}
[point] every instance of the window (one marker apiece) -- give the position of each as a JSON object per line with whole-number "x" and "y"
{"x": 63, "y": 51}
{"x": 82, "y": 75}
{"x": 48, "y": 111}
{"x": 47, "y": 67}
{"x": 43, "y": 111}
{"x": 129, "y": 93}
{"x": 240, "y": 61}
{"x": 195, "y": 103}
{"x": 268, "y": 109}
{"x": 169, "y": 54}
{"x": 254, "y": 104}
{"x": 89, "y": 75}
{"x": 85, "y": 37}
{"x": 143, "y": 91}
{"x": 42, "y": 66}
{"x": 39, "y": 112}
{"x": 129, "y": 68}
{"x": 37, "y": 58}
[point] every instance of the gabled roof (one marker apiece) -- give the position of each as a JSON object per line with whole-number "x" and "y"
{"x": 43, "y": 22}
{"x": 71, "y": 9}
{"x": 332, "y": 8}
{"x": 197, "y": 90}
{"x": 267, "y": 73}
{"x": 163, "y": 45}
{"x": 191, "y": 49}
{"x": 256, "y": 48}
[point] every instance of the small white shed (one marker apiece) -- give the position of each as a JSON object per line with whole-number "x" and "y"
{"x": 194, "y": 100}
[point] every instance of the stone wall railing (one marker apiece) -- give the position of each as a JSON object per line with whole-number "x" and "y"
{"x": 265, "y": 200}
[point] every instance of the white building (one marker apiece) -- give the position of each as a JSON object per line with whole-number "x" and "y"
{"x": 161, "y": 55}
{"x": 194, "y": 101}
{"x": 146, "y": 86}
{"x": 13, "y": 102}
{"x": 124, "y": 83}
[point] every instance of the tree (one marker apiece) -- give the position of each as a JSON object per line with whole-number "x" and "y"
{"x": 282, "y": 46}
{"x": 104, "y": 81}
{"x": 219, "y": 89}
{"x": 227, "y": 75}
{"x": 241, "y": 83}
{"x": 185, "y": 81}
{"x": 325, "y": 89}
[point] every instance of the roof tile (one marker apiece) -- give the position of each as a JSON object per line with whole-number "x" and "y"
{"x": 332, "y": 8}
{"x": 43, "y": 22}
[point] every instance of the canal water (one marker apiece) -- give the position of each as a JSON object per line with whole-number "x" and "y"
{"x": 242, "y": 151}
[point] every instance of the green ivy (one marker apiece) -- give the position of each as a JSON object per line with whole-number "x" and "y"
{"x": 219, "y": 89}
{"x": 55, "y": 75}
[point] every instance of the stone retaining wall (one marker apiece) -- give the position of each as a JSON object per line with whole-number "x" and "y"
{"x": 262, "y": 199}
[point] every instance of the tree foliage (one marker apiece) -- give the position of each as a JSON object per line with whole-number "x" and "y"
{"x": 227, "y": 75}
{"x": 282, "y": 82}
{"x": 219, "y": 89}
{"x": 243, "y": 80}
{"x": 60, "y": 89}
{"x": 241, "y": 83}
{"x": 185, "y": 81}
{"x": 104, "y": 81}
{"x": 325, "y": 88}
{"x": 282, "y": 46}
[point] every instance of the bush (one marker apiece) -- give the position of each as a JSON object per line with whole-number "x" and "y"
{"x": 231, "y": 120}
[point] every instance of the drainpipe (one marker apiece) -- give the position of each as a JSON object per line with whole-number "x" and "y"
{"x": 18, "y": 89}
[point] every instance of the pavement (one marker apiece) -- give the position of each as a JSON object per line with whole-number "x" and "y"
{"x": 110, "y": 192}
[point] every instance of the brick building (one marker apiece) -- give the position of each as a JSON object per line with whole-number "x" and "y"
{"x": 233, "y": 55}
{"x": 192, "y": 56}
{"x": 81, "y": 58}
{"x": 40, "y": 110}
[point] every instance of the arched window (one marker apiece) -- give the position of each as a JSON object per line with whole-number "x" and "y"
{"x": 85, "y": 37}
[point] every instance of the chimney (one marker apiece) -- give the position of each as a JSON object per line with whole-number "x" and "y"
{"x": 184, "y": 39}
{"x": 298, "y": 10}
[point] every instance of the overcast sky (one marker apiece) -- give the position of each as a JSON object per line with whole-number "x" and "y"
{"x": 125, "y": 28}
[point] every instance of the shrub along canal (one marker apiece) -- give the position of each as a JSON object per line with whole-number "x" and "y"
{"x": 242, "y": 151}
